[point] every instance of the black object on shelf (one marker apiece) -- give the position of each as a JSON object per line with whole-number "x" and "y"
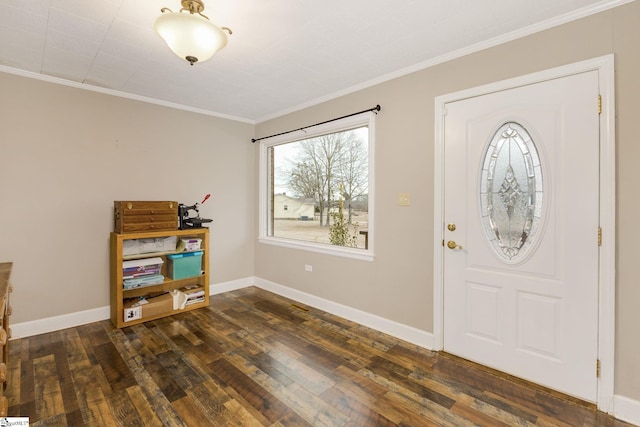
{"x": 186, "y": 220}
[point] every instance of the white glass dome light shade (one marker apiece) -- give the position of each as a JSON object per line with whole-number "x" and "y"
{"x": 190, "y": 35}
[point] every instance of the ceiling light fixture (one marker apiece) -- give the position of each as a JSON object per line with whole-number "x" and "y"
{"x": 191, "y": 36}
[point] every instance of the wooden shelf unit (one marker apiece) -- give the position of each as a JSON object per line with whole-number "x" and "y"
{"x": 119, "y": 295}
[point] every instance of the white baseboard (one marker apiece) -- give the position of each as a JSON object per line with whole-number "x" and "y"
{"x": 56, "y": 323}
{"x": 398, "y": 330}
{"x": 231, "y": 285}
{"x": 626, "y": 409}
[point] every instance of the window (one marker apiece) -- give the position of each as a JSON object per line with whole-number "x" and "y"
{"x": 511, "y": 192}
{"x": 316, "y": 188}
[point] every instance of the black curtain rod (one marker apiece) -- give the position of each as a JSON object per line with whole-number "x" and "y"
{"x": 376, "y": 109}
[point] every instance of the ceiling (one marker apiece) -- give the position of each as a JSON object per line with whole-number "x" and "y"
{"x": 283, "y": 54}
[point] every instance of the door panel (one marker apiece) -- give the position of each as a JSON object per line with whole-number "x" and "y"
{"x": 521, "y": 281}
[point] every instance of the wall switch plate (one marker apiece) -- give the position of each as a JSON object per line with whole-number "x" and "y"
{"x": 404, "y": 199}
{"x": 308, "y": 267}
{"x": 132, "y": 313}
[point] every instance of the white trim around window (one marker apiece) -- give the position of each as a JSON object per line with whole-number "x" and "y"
{"x": 364, "y": 119}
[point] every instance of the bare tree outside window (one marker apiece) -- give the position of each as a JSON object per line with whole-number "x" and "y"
{"x": 317, "y": 177}
{"x": 354, "y": 173}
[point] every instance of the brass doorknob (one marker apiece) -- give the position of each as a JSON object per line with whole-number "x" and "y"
{"x": 453, "y": 245}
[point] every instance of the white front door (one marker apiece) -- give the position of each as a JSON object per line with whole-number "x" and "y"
{"x": 521, "y": 217}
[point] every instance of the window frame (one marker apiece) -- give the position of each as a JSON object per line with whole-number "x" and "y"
{"x": 360, "y": 120}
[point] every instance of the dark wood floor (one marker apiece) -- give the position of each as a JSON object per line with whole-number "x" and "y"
{"x": 256, "y": 359}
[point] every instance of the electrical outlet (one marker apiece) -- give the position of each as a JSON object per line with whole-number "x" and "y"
{"x": 404, "y": 199}
{"x": 308, "y": 267}
{"x": 132, "y": 313}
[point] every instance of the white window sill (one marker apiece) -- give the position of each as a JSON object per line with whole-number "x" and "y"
{"x": 353, "y": 253}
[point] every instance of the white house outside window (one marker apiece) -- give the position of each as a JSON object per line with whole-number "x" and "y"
{"x": 316, "y": 188}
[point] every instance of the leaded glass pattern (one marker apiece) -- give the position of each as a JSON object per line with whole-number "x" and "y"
{"x": 511, "y": 192}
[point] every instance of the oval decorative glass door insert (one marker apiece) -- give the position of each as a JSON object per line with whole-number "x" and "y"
{"x": 511, "y": 192}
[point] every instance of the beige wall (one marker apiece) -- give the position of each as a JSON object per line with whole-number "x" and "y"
{"x": 398, "y": 285}
{"x": 65, "y": 156}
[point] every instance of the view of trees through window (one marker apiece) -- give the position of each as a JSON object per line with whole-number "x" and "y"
{"x": 319, "y": 189}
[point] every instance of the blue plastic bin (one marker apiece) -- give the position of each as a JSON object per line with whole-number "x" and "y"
{"x": 183, "y": 265}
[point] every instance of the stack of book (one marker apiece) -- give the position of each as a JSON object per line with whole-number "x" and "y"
{"x": 142, "y": 272}
{"x": 195, "y": 294}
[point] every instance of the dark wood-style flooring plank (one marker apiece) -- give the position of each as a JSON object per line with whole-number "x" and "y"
{"x": 164, "y": 380}
{"x": 115, "y": 370}
{"x": 211, "y": 398}
{"x": 26, "y": 404}
{"x": 67, "y": 388}
{"x": 303, "y": 402}
{"x": 463, "y": 409}
{"x": 254, "y": 394}
{"x": 145, "y": 411}
{"x": 48, "y": 395}
{"x": 358, "y": 413}
{"x": 238, "y": 414}
{"x": 253, "y": 358}
{"x": 191, "y": 413}
{"x": 59, "y": 420}
{"x": 123, "y": 409}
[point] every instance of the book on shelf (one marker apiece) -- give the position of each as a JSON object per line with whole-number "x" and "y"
{"x": 141, "y": 267}
{"x": 142, "y": 281}
{"x": 194, "y": 300}
{"x": 195, "y": 294}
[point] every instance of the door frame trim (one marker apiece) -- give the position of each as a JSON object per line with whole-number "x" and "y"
{"x": 607, "y": 255}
